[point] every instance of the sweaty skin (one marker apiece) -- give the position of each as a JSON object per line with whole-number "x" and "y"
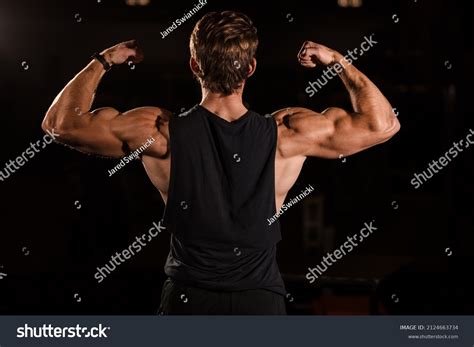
{"x": 302, "y": 132}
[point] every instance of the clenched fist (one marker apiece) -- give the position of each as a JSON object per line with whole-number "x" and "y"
{"x": 313, "y": 54}
{"x": 123, "y": 52}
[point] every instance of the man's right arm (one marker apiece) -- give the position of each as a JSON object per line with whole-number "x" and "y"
{"x": 336, "y": 132}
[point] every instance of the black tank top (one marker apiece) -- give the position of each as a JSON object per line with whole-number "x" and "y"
{"x": 221, "y": 193}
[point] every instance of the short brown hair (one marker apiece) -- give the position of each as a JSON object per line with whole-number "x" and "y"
{"x": 223, "y": 44}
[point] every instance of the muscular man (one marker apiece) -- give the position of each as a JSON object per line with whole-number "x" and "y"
{"x": 222, "y": 169}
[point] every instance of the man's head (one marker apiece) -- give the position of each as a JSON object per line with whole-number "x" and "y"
{"x": 223, "y": 47}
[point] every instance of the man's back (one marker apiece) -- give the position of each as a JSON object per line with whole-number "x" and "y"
{"x": 221, "y": 193}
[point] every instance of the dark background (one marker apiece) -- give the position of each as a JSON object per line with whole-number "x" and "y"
{"x": 50, "y": 249}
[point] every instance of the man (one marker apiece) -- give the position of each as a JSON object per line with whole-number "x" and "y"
{"x": 221, "y": 169}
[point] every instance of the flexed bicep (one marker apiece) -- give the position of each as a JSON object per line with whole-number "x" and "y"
{"x": 110, "y": 133}
{"x": 336, "y": 132}
{"x": 105, "y": 131}
{"x": 329, "y": 134}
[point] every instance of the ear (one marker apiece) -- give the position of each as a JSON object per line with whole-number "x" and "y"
{"x": 252, "y": 67}
{"x": 194, "y": 66}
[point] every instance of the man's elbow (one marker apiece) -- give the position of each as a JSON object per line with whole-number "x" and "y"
{"x": 50, "y": 118}
{"x": 388, "y": 130}
{"x": 50, "y": 124}
{"x": 46, "y": 124}
{"x": 393, "y": 126}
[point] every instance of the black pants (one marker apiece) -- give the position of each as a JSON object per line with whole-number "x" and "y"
{"x": 178, "y": 299}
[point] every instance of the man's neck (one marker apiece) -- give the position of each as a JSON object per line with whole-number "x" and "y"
{"x": 228, "y": 107}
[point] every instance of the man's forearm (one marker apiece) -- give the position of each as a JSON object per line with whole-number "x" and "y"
{"x": 75, "y": 99}
{"x": 367, "y": 101}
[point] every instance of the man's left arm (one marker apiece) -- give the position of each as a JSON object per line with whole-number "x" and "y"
{"x": 104, "y": 131}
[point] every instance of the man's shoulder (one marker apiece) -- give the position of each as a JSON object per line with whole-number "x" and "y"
{"x": 289, "y": 111}
{"x": 285, "y": 116}
{"x": 149, "y": 112}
